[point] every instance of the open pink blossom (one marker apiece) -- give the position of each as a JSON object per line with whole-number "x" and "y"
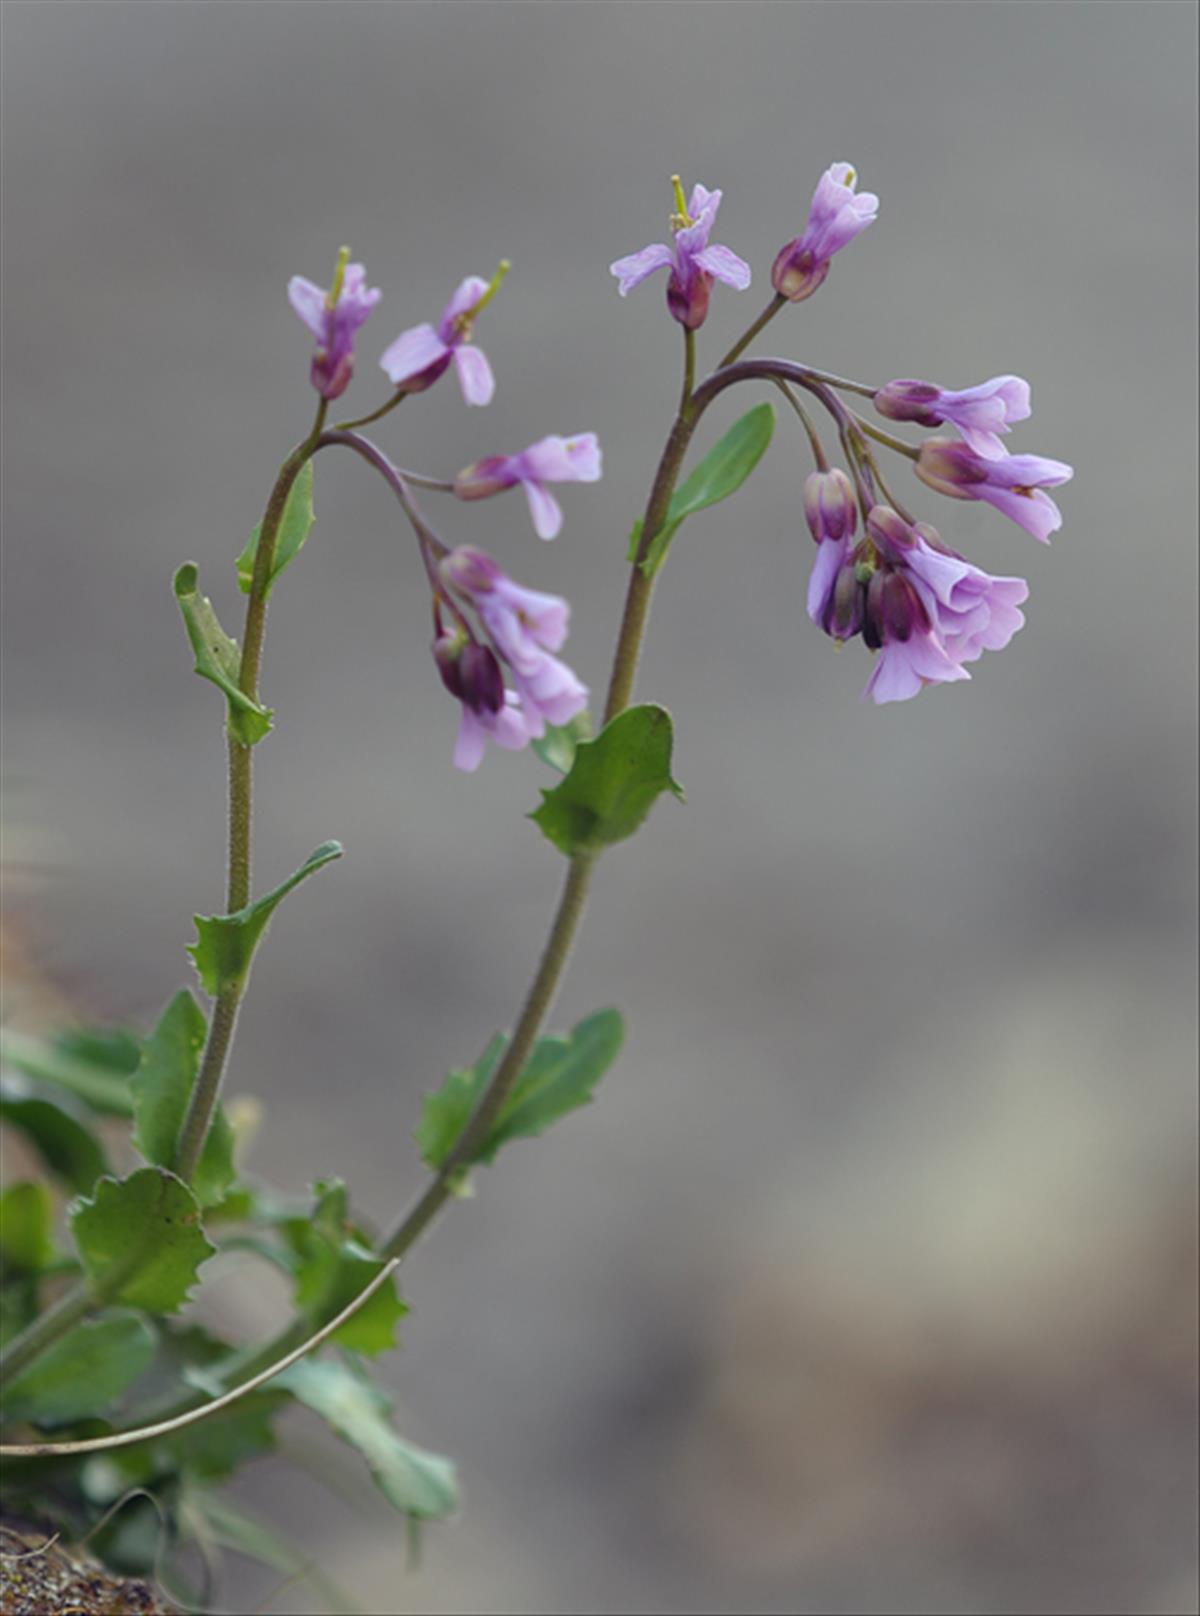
{"x": 550, "y": 460}
{"x": 837, "y": 214}
{"x": 1013, "y": 484}
{"x": 694, "y": 262}
{"x": 423, "y": 353}
{"x": 980, "y": 413}
{"x": 525, "y": 626}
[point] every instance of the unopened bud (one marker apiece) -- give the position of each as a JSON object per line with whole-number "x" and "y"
{"x": 482, "y": 680}
{"x": 872, "y": 625}
{"x": 830, "y": 508}
{"x": 447, "y": 653}
{"x": 949, "y": 467}
{"x": 900, "y": 606}
{"x": 890, "y": 532}
{"x": 844, "y": 614}
{"x": 910, "y": 401}
{"x": 470, "y": 571}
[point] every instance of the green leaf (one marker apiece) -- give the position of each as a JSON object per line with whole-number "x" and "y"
{"x": 445, "y": 1114}
{"x": 722, "y": 472}
{"x": 50, "y": 1125}
{"x": 613, "y": 783}
{"x": 298, "y": 518}
{"x": 559, "y": 1077}
{"x": 140, "y": 1239}
{"x": 26, "y": 1228}
{"x": 557, "y": 745}
{"x": 226, "y": 944}
{"x": 414, "y": 1481}
{"x": 162, "y": 1087}
{"x": 333, "y": 1265}
{"x": 214, "y": 1448}
{"x": 95, "y": 1067}
{"x": 218, "y": 658}
{"x": 79, "y": 1376}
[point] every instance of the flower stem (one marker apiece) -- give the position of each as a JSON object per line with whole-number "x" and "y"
{"x": 571, "y": 904}
{"x": 202, "y": 1104}
{"x": 748, "y": 336}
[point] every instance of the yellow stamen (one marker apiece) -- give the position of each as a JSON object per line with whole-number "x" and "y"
{"x": 1025, "y": 493}
{"x": 850, "y": 178}
{"x": 681, "y": 219}
{"x": 339, "y": 276}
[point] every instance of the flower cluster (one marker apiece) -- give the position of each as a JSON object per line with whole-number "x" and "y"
{"x": 925, "y": 609}
{"x": 523, "y": 628}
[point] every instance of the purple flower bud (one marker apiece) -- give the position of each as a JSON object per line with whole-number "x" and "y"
{"x": 979, "y": 413}
{"x": 422, "y": 354}
{"x": 550, "y": 460}
{"x": 830, "y": 507}
{"x": 693, "y": 263}
{"x": 891, "y": 535}
{"x": 1013, "y": 484}
{"x": 843, "y": 617}
{"x": 835, "y": 217}
{"x": 334, "y": 317}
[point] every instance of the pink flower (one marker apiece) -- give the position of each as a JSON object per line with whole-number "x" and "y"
{"x": 835, "y": 217}
{"x": 421, "y": 354}
{"x": 550, "y": 460}
{"x": 524, "y": 627}
{"x": 693, "y": 263}
{"x": 1013, "y": 484}
{"x": 334, "y": 317}
{"x": 980, "y": 413}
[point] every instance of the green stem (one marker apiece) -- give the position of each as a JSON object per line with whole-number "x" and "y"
{"x": 571, "y": 904}
{"x": 748, "y": 336}
{"x": 72, "y": 1307}
{"x": 375, "y": 415}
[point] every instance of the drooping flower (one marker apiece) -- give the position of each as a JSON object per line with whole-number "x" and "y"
{"x": 471, "y": 672}
{"x": 836, "y": 216}
{"x": 423, "y": 353}
{"x": 525, "y": 627}
{"x": 334, "y": 317}
{"x": 831, "y": 511}
{"x": 693, "y": 262}
{"x": 1013, "y": 484}
{"x": 550, "y": 460}
{"x": 980, "y": 413}
{"x": 914, "y": 601}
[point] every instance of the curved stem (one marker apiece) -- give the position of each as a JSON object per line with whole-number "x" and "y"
{"x": 880, "y": 436}
{"x": 814, "y": 441}
{"x": 375, "y": 415}
{"x": 177, "y": 1422}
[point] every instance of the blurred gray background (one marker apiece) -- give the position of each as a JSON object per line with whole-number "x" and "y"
{"x": 868, "y": 1283}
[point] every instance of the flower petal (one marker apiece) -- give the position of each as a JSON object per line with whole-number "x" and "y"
{"x": 474, "y": 374}
{"x": 413, "y": 351}
{"x": 634, "y": 269}
{"x": 471, "y": 743}
{"x": 725, "y": 265}
{"x": 309, "y": 303}
{"x": 466, "y": 295}
{"x": 544, "y": 508}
